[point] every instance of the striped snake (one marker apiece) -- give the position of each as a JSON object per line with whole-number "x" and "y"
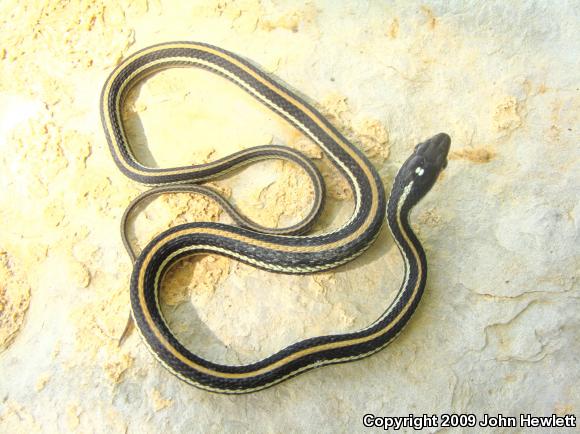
{"x": 277, "y": 250}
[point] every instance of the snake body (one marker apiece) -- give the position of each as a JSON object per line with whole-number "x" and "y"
{"x": 281, "y": 251}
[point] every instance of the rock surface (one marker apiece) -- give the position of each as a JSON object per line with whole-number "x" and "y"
{"x": 498, "y": 329}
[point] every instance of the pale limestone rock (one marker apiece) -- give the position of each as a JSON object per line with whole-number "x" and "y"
{"x": 497, "y": 330}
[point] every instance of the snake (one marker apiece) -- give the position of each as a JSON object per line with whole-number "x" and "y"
{"x": 289, "y": 251}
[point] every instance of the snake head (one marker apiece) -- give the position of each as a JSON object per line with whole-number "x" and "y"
{"x": 425, "y": 164}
